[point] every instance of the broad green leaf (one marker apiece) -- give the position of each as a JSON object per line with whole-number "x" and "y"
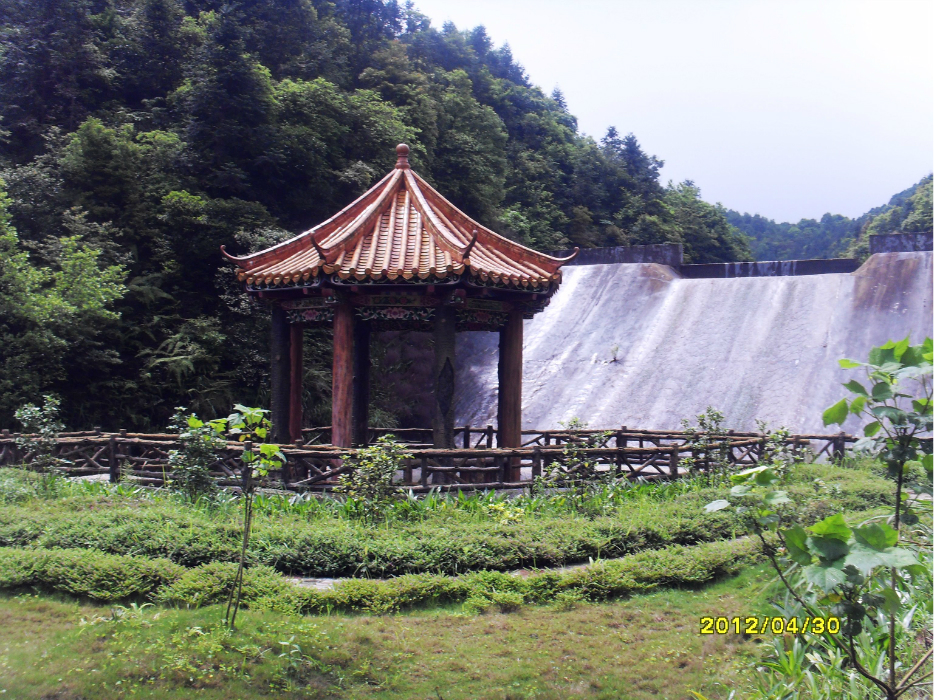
{"x": 766, "y": 477}
{"x": 752, "y": 470}
{"x": 927, "y": 462}
{"x": 900, "y": 347}
{"x": 776, "y": 498}
{"x": 913, "y": 356}
{"x": 837, "y": 413}
{"x": 853, "y": 576}
{"x": 194, "y": 422}
{"x": 828, "y": 548}
{"x": 882, "y": 391}
{"x": 796, "y": 543}
{"x": 892, "y": 602}
{"x": 872, "y": 428}
{"x": 850, "y": 364}
{"x": 261, "y": 433}
{"x": 857, "y": 405}
{"x": 856, "y": 387}
{"x": 826, "y": 577}
{"x": 898, "y": 557}
{"x": 864, "y": 558}
{"x": 767, "y": 518}
{"x": 833, "y": 526}
{"x": 895, "y": 415}
{"x": 879, "y": 536}
{"x": 717, "y": 505}
{"x": 740, "y": 490}
{"x": 885, "y": 353}
{"x": 921, "y": 405}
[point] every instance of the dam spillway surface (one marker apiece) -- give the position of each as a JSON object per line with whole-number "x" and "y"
{"x": 639, "y": 345}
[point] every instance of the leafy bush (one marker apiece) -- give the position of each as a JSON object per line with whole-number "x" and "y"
{"x": 575, "y": 470}
{"x": 369, "y": 483}
{"x": 479, "y": 591}
{"x": 88, "y": 574}
{"x": 41, "y": 427}
{"x": 456, "y": 537}
{"x": 876, "y": 575}
{"x": 191, "y": 465}
{"x": 213, "y": 583}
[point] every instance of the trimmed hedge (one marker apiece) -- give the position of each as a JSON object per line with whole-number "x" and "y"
{"x": 86, "y": 574}
{"x": 108, "y": 578}
{"x": 671, "y": 566}
{"x": 450, "y": 543}
{"x": 331, "y": 547}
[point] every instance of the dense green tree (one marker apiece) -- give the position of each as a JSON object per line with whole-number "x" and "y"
{"x": 835, "y": 235}
{"x": 143, "y": 134}
{"x": 51, "y": 317}
{"x": 703, "y": 227}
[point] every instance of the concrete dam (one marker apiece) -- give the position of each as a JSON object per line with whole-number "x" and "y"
{"x": 645, "y": 344}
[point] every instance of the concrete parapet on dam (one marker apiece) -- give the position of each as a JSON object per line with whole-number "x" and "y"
{"x": 642, "y": 344}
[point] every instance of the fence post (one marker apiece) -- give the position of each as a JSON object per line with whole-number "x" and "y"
{"x": 489, "y": 437}
{"x": 467, "y": 437}
{"x": 839, "y": 447}
{"x": 536, "y": 462}
{"x": 112, "y": 464}
{"x": 673, "y": 462}
{"x": 424, "y": 475}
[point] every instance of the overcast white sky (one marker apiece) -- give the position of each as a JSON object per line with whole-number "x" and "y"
{"x": 786, "y": 108}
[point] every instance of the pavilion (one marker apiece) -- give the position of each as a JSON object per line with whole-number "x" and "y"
{"x": 401, "y": 257}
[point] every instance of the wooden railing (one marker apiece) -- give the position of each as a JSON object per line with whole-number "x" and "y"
{"x": 626, "y": 453}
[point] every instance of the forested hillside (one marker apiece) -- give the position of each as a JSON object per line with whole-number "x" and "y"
{"x": 140, "y": 135}
{"x": 836, "y": 236}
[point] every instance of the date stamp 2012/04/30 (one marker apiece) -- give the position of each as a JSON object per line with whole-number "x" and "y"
{"x": 769, "y": 625}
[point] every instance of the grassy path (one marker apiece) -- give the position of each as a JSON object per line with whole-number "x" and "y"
{"x": 643, "y": 647}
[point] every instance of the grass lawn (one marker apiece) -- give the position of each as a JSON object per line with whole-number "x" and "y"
{"x": 647, "y": 646}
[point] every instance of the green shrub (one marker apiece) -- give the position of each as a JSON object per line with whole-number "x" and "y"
{"x": 452, "y": 540}
{"x": 448, "y": 543}
{"x": 110, "y": 578}
{"x": 479, "y": 591}
{"x": 212, "y": 583}
{"x": 191, "y": 465}
{"x": 368, "y": 485}
{"x": 83, "y": 573}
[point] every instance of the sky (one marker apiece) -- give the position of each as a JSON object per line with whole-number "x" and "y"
{"x": 785, "y": 108}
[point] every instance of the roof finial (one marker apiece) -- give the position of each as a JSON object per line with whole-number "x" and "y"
{"x": 402, "y": 163}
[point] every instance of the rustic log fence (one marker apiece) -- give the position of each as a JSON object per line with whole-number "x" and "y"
{"x": 480, "y": 464}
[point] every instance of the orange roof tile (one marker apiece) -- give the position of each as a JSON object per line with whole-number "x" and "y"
{"x": 400, "y": 230}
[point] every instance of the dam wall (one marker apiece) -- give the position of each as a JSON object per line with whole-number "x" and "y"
{"x": 642, "y": 345}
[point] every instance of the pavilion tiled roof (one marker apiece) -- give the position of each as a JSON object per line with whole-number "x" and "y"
{"x": 400, "y": 230}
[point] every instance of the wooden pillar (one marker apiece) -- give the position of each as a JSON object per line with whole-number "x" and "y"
{"x": 296, "y": 343}
{"x": 510, "y": 386}
{"x": 442, "y": 419}
{"x": 342, "y": 377}
{"x": 361, "y": 382}
{"x": 279, "y": 379}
